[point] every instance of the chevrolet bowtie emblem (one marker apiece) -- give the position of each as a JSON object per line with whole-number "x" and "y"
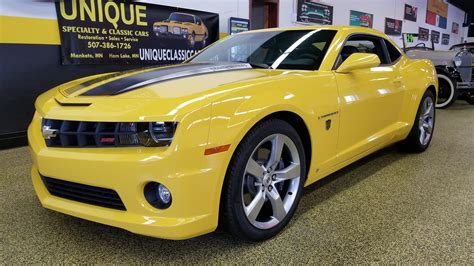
{"x": 49, "y": 132}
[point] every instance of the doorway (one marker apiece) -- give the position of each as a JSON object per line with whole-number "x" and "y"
{"x": 264, "y": 14}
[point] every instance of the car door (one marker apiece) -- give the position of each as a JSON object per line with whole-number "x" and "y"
{"x": 370, "y": 99}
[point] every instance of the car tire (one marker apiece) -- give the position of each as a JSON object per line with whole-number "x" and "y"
{"x": 203, "y": 43}
{"x": 469, "y": 98}
{"x": 192, "y": 40}
{"x": 422, "y": 131}
{"x": 258, "y": 208}
{"x": 448, "y": 92}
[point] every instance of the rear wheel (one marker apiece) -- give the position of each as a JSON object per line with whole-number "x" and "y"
{"x": 469, "y": 97}
{"x": 264, "y": 181}
{"x": 422, "y": 131}
{"x": 448, "y": 93}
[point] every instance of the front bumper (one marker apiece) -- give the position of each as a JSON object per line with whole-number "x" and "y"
{"x": 193, "y": 184}
{"x": 171, "y": 35}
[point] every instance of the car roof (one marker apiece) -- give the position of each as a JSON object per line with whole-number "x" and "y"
{"x": 347, "y": 29}
{"x": 181, "y": 13}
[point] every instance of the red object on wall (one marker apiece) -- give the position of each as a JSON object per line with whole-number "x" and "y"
{"x": 431, "y": 18}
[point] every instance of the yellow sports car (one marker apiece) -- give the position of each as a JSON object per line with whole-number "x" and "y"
{"x": 183, "y": 26}
{"x": 230, "y": 137}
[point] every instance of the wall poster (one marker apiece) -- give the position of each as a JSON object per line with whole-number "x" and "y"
{"x": 124, "y": 32}
{"x": 455, "y": 28}
{"x": 435, "y": 36}
{"x": 363, "y": 19}
{"x": 410, "y": 13}
{"x": 423, "y": 34}
{"x": 437, "y": 13}
{"x": 237, "y": 25}
{"x": 393, "y": 26}
{"x": 309, "y": 11}
{"x": 445, "y": 39}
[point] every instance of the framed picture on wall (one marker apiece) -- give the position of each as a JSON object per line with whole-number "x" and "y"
{"x": 393, "y": 26}
{"x": 423, "y": 34}
{"x": 410, "y": 13}
{"x": 237, "y": 25}
{"x": 309, "y": 11}
{"x": 435, "y": 36}
{"x": 437, "y": 13}
{"x": 363, "y": 19}
{"x": 445, "y": 39}
{"x": 455, "y": 28}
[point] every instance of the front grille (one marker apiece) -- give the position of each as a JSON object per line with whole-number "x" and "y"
{"x": 83, "y": 193}
{"x": 61, "y": 133}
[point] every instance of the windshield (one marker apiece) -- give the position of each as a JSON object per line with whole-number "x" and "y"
{"x": 181, "y": 17}
{"x": 293, "y": 49}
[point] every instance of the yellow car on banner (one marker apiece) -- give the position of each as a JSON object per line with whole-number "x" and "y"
{"x": 183, "y": 26}
{"x": 231, "y": 136}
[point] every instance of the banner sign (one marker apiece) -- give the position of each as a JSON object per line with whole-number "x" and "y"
{"x": 437, "y": 13}
{"x": 363, "y": 19}
{"x": 445, "y": 39}
{"x": 423, "y": 34}
{"x": 237, "y": 25}
{"x": 435, "y": 36}
{"x": 311, "y": 12}
{"x": 124, "y": 32}
{"x": 455, "y": 28}
{"x": 393, "y": 26}
{"x": 410, "y": 13}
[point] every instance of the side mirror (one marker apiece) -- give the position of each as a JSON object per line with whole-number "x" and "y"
{"x": 358, "y": 61}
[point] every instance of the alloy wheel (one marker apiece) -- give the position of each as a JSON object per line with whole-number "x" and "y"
{"x": 426, "y": 120}
{"x": 271, "y": 181}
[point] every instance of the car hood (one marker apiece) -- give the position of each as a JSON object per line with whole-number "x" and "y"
{"x": 159, "y": 90}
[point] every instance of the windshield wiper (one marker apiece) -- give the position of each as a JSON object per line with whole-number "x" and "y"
{"x": 256, "y": 65}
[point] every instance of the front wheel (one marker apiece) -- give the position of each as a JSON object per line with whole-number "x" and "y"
{"x": 264, "y": 181}
{"x": 448, "y": 93}
{"x": 421, "y": 133}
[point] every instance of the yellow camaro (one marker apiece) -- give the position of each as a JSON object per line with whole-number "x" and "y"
{"x": 231, "y": 136}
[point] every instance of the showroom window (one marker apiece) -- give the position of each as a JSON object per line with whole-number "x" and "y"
{"x": 393, "y": 52}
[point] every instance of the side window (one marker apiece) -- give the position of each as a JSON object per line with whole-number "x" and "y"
{"x": 363, "y": 44}
{"x": 393, "y": 52}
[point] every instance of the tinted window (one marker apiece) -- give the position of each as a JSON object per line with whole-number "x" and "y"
{"x": 293, "y": 49}
{"x": 393, "y": 52}
{"x": 363, "y": 44}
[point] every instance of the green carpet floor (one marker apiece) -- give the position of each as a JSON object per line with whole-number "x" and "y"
{"x": 390, "y": 207}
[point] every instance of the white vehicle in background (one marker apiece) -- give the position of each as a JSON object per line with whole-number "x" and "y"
{"x": 454, "y": 68}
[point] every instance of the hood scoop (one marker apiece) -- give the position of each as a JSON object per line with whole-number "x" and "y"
{"x": 141, "y": 79}
{"x": 63, "y": 103}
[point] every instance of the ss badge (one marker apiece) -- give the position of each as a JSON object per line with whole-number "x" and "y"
{"x": 328, "y": 124}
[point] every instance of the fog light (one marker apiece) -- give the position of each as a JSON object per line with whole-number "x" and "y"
{"x": 164, "y": 194}
{"x": 158, "y": 195}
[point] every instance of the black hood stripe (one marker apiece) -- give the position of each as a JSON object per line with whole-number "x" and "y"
{"x": 143, "y": 79}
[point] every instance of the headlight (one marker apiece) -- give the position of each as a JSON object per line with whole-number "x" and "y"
{"x": 156, "y": 134}
{"x": 184, "y": 31}
{"x": 457, "y": 61}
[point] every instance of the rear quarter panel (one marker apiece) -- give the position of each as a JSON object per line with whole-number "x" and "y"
{"x": 418, "y": 75}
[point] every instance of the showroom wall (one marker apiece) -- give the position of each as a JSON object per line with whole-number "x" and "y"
{"x": 31, "y": 52}
{"x": 381, "y": 9}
